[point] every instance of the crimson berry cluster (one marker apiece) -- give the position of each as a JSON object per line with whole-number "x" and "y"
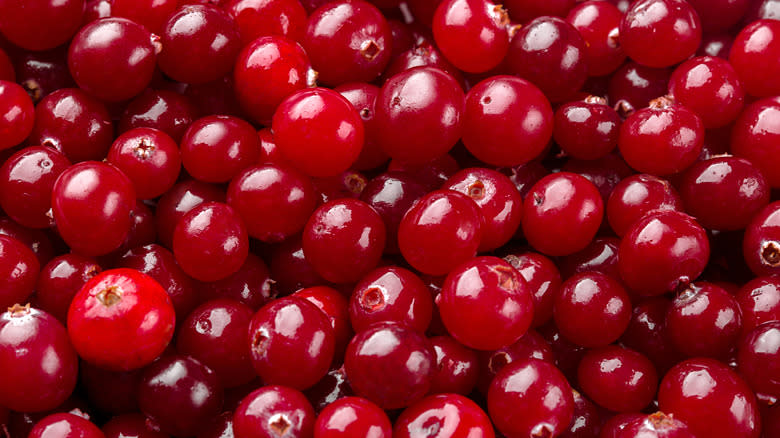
{"x": 390, "y": 218}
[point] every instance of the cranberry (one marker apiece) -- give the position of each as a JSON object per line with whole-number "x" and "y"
{"x": 605, "y": 173}
{"x": 657, "y": 425}
{"x": 617, "y": 378}
{"x": 41, "y": 24}
{"x": 753, "y": 57}
{"x": 180, "y": 394}
{"x": 290, "y": 269}
{"x": 598, "y": 23}
{"x": 754, "y": 137}
{"x": 419, "y": 113}
{"x": 710, "y": 88}
{"x": 16, "y": 114}
{"x": 613, "y": 427}
{"x": 178, "y": 201}
{"x": 257, "y": 18}
{"x": 758, "y": 359}
{"x": 164, "y": 110}
{"x": 216, "y": 148}
{"x": 662, "y": 251}
{"x": 332, "y": 387}
{"x": 586, "y": 130}
{"x": 336, "y": 308}
{"x": 210, "y": 242}
{"x": 633, "y": 86}
{"x": 423, "y": 53}
{"x": 65, "y": 425}
{"x": 543, "y": 279}
{"x": 586, "y": 421}
{"x": 40, "y": 242}
{"x": 199, "y": 44}
{"x": 562, "y": 213}
{"x": 761, "y": 245}
{"x": 274, "y": 411}
{"x": 716, "y": 45}
{"x": 457, "y": 368}
{"x": 403, "y": 358}
{"x": 149, "y": 158}
{"x": 710, "y": 398}
{"x": 759, "y": 302}
{"x": 660, "y": 33}
{"x": 647, "y": 333}
{"x": 636, "y": 196}
{"x": 131, "y": 426}
{"x": 391, "y": 294}
{"x": 526, "y": 10}
{"x": 518, "y": 387}
{"x": 19, "y": 269}
{"x": 531, "y": 346}
{"x": 113, "y": 392}
{"x": 60, "y": 280}
{"x": 601, "y": 255}
{"x": 40, "y": 365}
{"x": 352, "y": 417}
{"x": 443, "y": 415}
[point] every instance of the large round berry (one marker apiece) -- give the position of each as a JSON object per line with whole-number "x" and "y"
{"x": 755, "y": 135}
{"x": 450, "y": 414}
{"x": 353, "y": 416}
{"x": 65, "y": 425}
{"x": 660, "y": 33}
{"x": 149, "y": 158}
{"x": 274, "y": 411}
{"x": 16, "y": 114}
{"x": 617, "y": 378}
{"x": 754, "y": 56}
{"x": 40, "y": 24}
{"x": 215, "y": 148}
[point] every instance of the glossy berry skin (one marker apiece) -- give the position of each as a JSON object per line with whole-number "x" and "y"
{"x": 531, "y": 346}
{"x": 486, "y": 304}
{"x": 761, "y": 244}
{"x": 444, "y": 416}
{"x": 60, "y": 280}
{"x": 216, "y": 148}
{"x": 710, "y": 88}
{"x": 637, "y": 85}
{"x": 543, "y": 279}
{"x": 724, "y": 193}
{"x": 518, "y": 387}
{"x": 660, "y": 33}
{"x": 550, "y": 53}
{"x": 617, "y": 378}
{"x": 347, "y": 41}
{"x": 40, "y": 24}
{"x": 586, "y": 130}
{"x": 351, "y": 417}
{"x": 65, "y": 425}
{"x": 457, "y": 367}
{"x": 199, "y": 44}
{"x": 167, "y": 111}
{"x": 152, "y": 14}
{"x": 391, "y": 294}
{"x": 216, "y": 334}
{"x": 343, "y": 240}
{"x": 518, "y": 113}
{"x": 274, "y": 411}
{"x": 498, "y": 200}
{"x": 419, "y": 114}
{"x": 178, "y": 201}
{"x": 112, "y": 59}
{"x": 318, "y": 131}
{"x": 759, "y": 302}
{"x": 121, "y": 319}
{"x": 363, "y": 96}
{"x": 268, "y": 70}
{"x": 598, "y": 23}
{"x": 561, "y": 214}
{"x": 440, "y": 231}
{"x": 758, "y": 359}
{"x": 257, "y": 18}
{"x": 19, "y": 267}
{"x": 661, "y": 140}
{"x": 40, "y": 364}
{"x": 336, "y": 307}
{"x": 754, "y": 137}
{"x": 592, "y": 309}
{"x": 754, "y": 57}
{"x": 149, "y": 158}
{"x": 91, "y": 202}
{"x": 131, "y": 426}
{"x": 275, "y": 201}
{"x": 638, "y": 195}
{"x": 662, "y": 251}
{"x": 16, "y": 114}
{"x": 403, "y": 357}
{"x": 657, "y": 425}
{"x": 711, "y": 399}
{"x": 210, "y": 242}
{"x": 74, "y": 123}
{"x": 180, "y": 394}
{"x": 472, "y": 34}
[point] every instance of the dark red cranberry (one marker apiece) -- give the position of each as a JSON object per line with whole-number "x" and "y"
{"x": 613, "y": 427}
{"x": 657, "y": 425}
{"x": 525, "y": 175}
{"x": 720, "y": 15}
{"x": 41, "y": 73}
{"x": 348, "y": 184}
{"x": 531, "y": 346}
{"x": 353, "y": 416}
{"x": 586, "y": 130}
{"x": 457, "y": 367}
{"x": 710, "y": 88}
{"x": 443, "y": 415}
{"x": 111, "y": 392}
{"x": 586, "y": 420}
{"x": 363, "y": 96}
{"x": 716, "y": 45}
{"x": 336, "y": 308}
{"x": 332, "y": 387}
{"x": 40, "y": 242}
{"x": 7, "y": 72}
{"x": 74, "y": 123}
{"x": 431, "y": 174}
{"x": 518, "y": 387}
{"x": 660, "y": 33}
{"x": 633, "y": 86}
{"x": 391, "y": 195}
{"x": 19, "y": 269}
{"x": 149, "y": 158}
{"x": 65, "y": 425}
{"x": 131, "y": 426}
{"x": 251, "y": 284}
{"x": 562, "y": 213}
{"x": 711, "y": 399}
{"x": 618, "y": 379}
{"x": 60, "y": 280}
{"x": 257, "y": 18}
{"x": 290, "y": 269}
{"x": 403, "y": 357}
{"x": 41, "y": 366}
{"x": 391, "y": 294}
{"x": 543, "y": 279}
{"x": 605, "y": 173}
{"x": 96, "y": 9}
{"x": 759, "y": 302}
{"x": 758, "y": 360}
{"x": 761, "y": 245}
{"x": 274, "y": 411}
{"x": 180, "y": 394}
{"x": 636, "y": 196}
{"x": 752, "y": 55}
{"x": 41, "y": 24}
{"x": 647, "y": 333}
{"x": 216, "y": 148}
{"x": 598, "y": 23}
{"x": 178, "y": 201}
{"x": 17, "y": 114}
{"x": 526, "y": 10}
{"x": 755, "y": 135}
{"x": 164, "y": 110}
{"x": 601, "y": 255}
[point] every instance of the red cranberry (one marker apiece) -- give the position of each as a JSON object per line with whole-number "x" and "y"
{"x": 423, "y": 53}
{"x": 290, "y": 269}
{"x": 257, "y": 18}
{"x": 660, "y": 33}
{"x": 7, "y": 72}
{"x": 152, "y": 14}
{"x": 391, "y": 294}
{"x": 586, "y": 421}
{"x": 16, "y": 114}
{"x": 332, "y": 387}
{"x": 758, "y": 360}
{"x": 60, "y": 280}
{"x": 41, "y": 24}
{"x": 710, "y": 88}
{"x": 457, "y": 368}
{"x": 352, "y": 417}
{"x": 149, "y": 158}
{"x": 526, "y": 10}
{"x": 586, "y": 130}
{"x": 647, "y": 333}
{"x": 618, "y": 379}
{"x": 601, "y": 255}
{"x": 391, "y": 195}
{"x": 274, "y": 411}
{"x": 761, "y": 245}
{"x": 363, "y": 96}
{"x": 597, "y": 23}
{"x": 164, "y": 110}
{"x": 19, "y": 269}
{"x": 613, "y": 427}
{"x": 633, "y": 86}
{"x": 543, "y": 279}
{"x": 657, "y": 425}
{"x": 755, "y": 135}
{"x": 759, "y": 302}
{"x": 445, "y": 416}
{"x": 336, "y": 308}
{"x": 216, "y": 148}
{"x": 636, "y": 196}
{"x": 752, "y": 55}
{"x": 178, "y": 201}
{"x": 605, "y": 173}
{"x": 131, "y": 426}
{"x": 65, "y": 425}
{"x": 531, "y": 346}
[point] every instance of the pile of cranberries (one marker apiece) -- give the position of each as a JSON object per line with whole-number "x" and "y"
{"x": 389, "y": 219}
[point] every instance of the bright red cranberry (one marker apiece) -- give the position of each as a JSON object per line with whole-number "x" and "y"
{"x": 759, "y": 301}
{"x": 526, "y": 10}
{"x": 586, "y": 130}
{"x": 274, "y": 411}
{"x": 60, "y": 280}
{"x": 343, "y": 240}
{"x": 724, "y": 193}
{"x": 131, "y": 426}
{"x": 518, "y": 387}
{"x": 660, "y": 33}
{"x": 391, "y": 294}
{"x": 347, "y": 41}
{"x": 180, "y": 394}
{"x": 91, "y": 202}
{"x": 755, "y": 135}
{"x": 710, "y": 88}
{"x": 486, "y": 304}
{"x": 257, "y": 18}
{"x": 636, "y": 196}
{"x": 445, "y": 416}
{"x": 562, "y": 213}
{"x": 597, "y": 23}
{"x": 363, "y": 96}
{"x": 753, "y": 56}
{"x": 618, "y": 379}
{"x": 352, "y": 417}
{"x": 210, "y": 242}
{"x": 121, "y": 319}
{"x": 178, "y": 201}
{"x": 199, "y": 44}
{"x": 65, "y": 425}
{"x": 16, "y": 114}
{"x": 318, "y": 131}
{"x": 440, "y": 231}
{"x": 403, "y": 357}
{"x": 758, "y": 360}
{"x": 543, "y": 279}
{"x": 657, "y": 425}
{"x": 149, "y": 158}
{"x": 761, "y": 245}
{"x": 74, "y": 123}
{"x": 39, "y": 363}
{"x": 472, "y": 34}
{"x": 633, "y": 86}
{"x": 164, "y": 110}
{"x": 711, "y": 399}
{"x": 531, "y": 346}
{"x": 113, "y": 59}
{"x": 336, "y": 308}
{"x": 216, "y": 148}
{"x": 661, "y": 251}
{"x": 419, "y": 113}
{"x": 40, "y": 24}
{"x": 457, "y": 367}
{"x": 662, "y": 139}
